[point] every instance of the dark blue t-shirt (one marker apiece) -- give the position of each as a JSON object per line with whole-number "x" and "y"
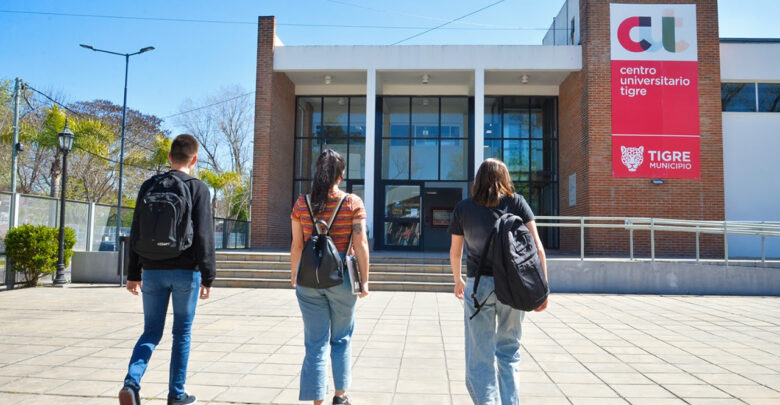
{"x": 474, "y": 223}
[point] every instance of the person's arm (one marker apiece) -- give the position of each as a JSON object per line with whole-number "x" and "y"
{"x": 296, "y": 247}
{"x": 456, "y": 258}
{"x": 360, "y": 244}
{"x": 203, "y": 238}
{"x": 531, "y": 225}
{"x": 134, "y": 271}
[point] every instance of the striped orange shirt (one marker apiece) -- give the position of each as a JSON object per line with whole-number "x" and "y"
{"x": 352, "y": 210}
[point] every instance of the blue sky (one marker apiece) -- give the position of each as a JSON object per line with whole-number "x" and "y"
{"x": 195, "y": 59}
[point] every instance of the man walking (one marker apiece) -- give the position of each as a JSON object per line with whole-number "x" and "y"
{"x": 172, "y": 240}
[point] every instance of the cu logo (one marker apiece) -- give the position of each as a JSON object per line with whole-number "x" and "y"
{"x": 669, "y": 23}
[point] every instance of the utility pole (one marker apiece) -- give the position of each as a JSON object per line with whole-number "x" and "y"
{"x": 10, "y": 276}
{"x": 15, "y": 152}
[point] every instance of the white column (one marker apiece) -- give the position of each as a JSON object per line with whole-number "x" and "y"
{"x": 479, "y": 117}
{"x": 370, "y": 147}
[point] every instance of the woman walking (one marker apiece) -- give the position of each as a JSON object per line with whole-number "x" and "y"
{"x": 328, "y": 313}
{"x": 493, "y": 335}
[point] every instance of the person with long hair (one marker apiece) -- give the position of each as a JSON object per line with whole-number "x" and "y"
{"x": 328, "y": 313}
{"x": 493, "y": 335}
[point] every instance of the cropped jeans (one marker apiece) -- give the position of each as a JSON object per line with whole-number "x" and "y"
{"x": 328, "y": 321}
{"x": 493, "y": 336}
{"x": 158, "y": 287}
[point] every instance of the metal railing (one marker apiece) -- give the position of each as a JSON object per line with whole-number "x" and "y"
{"x": 763, "y": 229}
{"x": 95, "y": 224}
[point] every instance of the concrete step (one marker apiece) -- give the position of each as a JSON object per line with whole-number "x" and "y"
{"x": 266, "y": 274}
{"x": 421, "y": 286}
{"x": 382, "y": 267}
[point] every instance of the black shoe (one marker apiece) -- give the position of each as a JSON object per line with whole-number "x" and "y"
{"x": 129, "y": 396}
{"x": 187, "y": 399}
{"x": 343, "y": 400}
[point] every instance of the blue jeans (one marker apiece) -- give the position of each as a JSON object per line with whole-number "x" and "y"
{"x": 328, "y": 319}
{"x": 494, "y": 334}
{"x": 158, "y": 287}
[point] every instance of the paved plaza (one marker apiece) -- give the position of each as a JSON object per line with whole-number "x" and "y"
{"x": 71, "y": 346}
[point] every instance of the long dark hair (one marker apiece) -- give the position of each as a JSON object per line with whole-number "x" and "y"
{"x": 330, "y": 167}
{"x": 492, "y": 183}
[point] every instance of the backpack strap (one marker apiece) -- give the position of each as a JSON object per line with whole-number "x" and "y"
{"x": 336, "y": 212}
{"x": 315, "y": 229}
{"x": 482, "y": 261}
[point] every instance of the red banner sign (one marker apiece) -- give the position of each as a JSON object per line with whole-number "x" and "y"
{"x": 655, "y": 91}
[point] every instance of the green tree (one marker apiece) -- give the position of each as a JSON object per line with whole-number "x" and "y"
{"x": 34, "y": 250}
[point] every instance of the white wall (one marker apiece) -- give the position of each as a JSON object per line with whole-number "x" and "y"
{"x": 750, "y": 61}
{"x": 560, "y": 30}
{"x": 751, "y": 146}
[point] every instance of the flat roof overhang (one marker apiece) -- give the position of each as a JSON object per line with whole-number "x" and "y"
{"x": 451, "y": 68}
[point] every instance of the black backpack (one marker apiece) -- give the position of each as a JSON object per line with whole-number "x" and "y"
{"x": 165, "y": 219}
{"x": 321, "y": 265}
{"x": 517, "y": 270}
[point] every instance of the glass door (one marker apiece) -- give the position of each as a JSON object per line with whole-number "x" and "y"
{"x": 402, "y": 211}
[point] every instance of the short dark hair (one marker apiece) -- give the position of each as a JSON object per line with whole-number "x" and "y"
{"x": 183, "y": 148}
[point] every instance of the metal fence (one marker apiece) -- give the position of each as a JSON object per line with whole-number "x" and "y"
{"x": 762, "y": 230}
{"x": 95, "y": 224}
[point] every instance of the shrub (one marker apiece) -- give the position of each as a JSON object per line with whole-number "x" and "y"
{"x": 33, "y": 250}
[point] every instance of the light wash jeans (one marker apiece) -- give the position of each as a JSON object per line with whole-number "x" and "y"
{"x": 328, "y": 320}
{"x": 158, "y": 287}
{"x": 494, "y": 334}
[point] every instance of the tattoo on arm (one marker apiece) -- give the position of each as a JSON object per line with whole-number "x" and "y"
{"x": 357, "y": 228}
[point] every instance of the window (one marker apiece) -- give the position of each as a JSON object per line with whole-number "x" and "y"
{"x": 338, "y": 123}
{"x": 425, "y": 138}
{"x": 522, "y": 132}
{"x": 769, "y": 97}
{"x": 738, "y": 96}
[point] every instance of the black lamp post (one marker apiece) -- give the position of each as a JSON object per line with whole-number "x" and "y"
{"x": 122, "y": 142}
{"x": 65, "y": 139}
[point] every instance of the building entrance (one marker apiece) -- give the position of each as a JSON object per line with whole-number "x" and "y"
{"x": 415, "y": 216}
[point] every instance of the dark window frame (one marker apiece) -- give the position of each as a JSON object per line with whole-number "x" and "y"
{"x": 319, "y": 137}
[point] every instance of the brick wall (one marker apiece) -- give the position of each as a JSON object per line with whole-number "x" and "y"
{"x": 273, "y": 147}
{"x": 700, "y": 199}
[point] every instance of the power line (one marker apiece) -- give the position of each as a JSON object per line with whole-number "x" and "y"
{"x": 448, "y": 22}
{"x": 254, "y": 23}
{"x": 208, "y": 105}
{"x": 390, "y": 11}
{"x": 82, "y": 116}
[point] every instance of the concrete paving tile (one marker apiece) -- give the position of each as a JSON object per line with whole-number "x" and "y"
{"x": 32, "y": 385}
{"x": 539, "y": 390}
{"x": 723, "y": 378}
{"x": 206, "y": 378}
{"x": 287, "y": 396}
{"x": 573, "y": 378}
{"x": 696, "y": 391}
{"x": 546, "y": 401}
{"x": 655, "y": 401}
{"x": 750, "y": 391}
{"x": 624, "y": 378}
{"x": 673, "y": 378}
{"x": 641, "y": 391}
{"x": 428, "y": 399}
{"x": 598, "y": 390}
{"x": 597, "y": 401}
{"x": 246, "y": 394}
{"x": 460, "y": 399}
{"x": 280, "y": 369}
{"x": 422, "y": 386}
{"x": 374, "y": 385}
{"x": 264, "y": 380}
{"x": 714, "y": 401}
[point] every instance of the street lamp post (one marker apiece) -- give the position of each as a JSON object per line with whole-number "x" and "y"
{"x": 65, "y": 139}
{"x": 122, "y": 139}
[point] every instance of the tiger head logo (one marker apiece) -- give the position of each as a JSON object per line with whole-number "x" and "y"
{"x": 632, "y": 157}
